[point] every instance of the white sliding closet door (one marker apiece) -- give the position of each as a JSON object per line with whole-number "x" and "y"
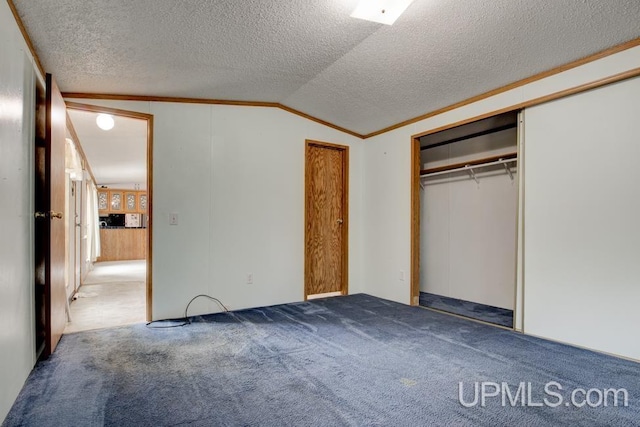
{"x": 582, "y": 219}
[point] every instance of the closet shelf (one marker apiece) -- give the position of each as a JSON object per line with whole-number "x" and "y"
{"x": 469, "y": 166}
{"x": 461, "y": 166}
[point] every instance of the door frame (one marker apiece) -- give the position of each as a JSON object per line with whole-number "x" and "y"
{"x": 149, "y": 119}
{"x": 416, "y": 161}
{"x": 414, "y": 288}
{"x": 344, "y": 287}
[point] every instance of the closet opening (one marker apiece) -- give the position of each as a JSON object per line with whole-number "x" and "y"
{"x": 467, "y": 220}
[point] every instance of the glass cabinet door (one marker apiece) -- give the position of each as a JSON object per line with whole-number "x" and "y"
{"x": 142, "y": 202}
{"x": 131, "y": 202}
{"x": 116, "y": 200}
{"x": 103, "y": 200}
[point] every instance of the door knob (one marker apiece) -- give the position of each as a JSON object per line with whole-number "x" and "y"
{"x": 340, "y": 221}
{"x": 51, "y": 214}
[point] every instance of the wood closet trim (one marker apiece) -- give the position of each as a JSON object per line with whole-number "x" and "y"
{"x": 635, "y": 72}
{"x": 415, "y": 141}
{"x": 149, "y": 119}
{"x": 415, "y": 222}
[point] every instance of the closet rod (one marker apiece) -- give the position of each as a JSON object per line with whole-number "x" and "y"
{"x": 489, "y": 161}
{"x": 473, "y": 135}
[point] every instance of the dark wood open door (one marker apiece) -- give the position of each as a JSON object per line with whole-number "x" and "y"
{"x": 50, "y": 225}
{"x": 326, "y": 228}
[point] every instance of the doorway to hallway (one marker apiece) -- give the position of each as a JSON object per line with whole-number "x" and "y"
{"x": 116, "y": 286}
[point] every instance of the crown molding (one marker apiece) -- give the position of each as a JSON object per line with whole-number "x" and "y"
{"x": 147, "y": 98}
{"x": 582, "y": 61}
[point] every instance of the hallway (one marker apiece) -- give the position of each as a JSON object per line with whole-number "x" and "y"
{"x": 113, "y": 294}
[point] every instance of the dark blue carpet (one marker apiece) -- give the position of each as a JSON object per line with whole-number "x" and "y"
{"x": 473, "y": 310}
{"x": 354, "y": 360}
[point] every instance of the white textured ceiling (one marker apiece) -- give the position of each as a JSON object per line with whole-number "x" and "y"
{"x": 312, "y": 56}
{"x": 117, "y": 157}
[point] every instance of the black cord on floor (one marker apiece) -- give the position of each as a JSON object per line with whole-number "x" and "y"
{"x": 149, "y": 325}
{"x": 185, "y": 320}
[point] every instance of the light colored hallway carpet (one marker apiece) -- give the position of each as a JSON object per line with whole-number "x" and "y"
{"x": 113, "y": 294}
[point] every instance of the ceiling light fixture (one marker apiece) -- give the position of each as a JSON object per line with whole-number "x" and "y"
{"x": 381, "y": 11}
{"x": 105, "y": 121}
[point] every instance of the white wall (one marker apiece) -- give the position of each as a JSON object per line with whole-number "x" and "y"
{"x": 582, "y": 219}
{"x": 387, "y": 168}
{"x": 257, "y": 204}
{"x": 17, "y": 94}
{"x": 468, "y": 229}
{"x": 235, "y": 176}
{"x": 387, "y": 225}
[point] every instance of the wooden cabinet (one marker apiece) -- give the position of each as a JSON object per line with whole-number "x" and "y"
{"x": 121, "y": 201}
{"x": 120, "y": 244}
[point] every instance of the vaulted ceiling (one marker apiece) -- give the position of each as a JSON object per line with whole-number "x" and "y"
{"x": 310, "y": 55}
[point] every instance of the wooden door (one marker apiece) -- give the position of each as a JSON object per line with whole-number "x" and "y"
{"x": 326, "y": 228}
{"x": 50, "y": 222}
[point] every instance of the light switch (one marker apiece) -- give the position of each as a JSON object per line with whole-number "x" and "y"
{"x": 173, "y": 219}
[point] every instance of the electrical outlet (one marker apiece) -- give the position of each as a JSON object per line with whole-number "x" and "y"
{"x": 402, "y": 275}
{"x": 249, "y": 278}
{"x": 173, "y": 219}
